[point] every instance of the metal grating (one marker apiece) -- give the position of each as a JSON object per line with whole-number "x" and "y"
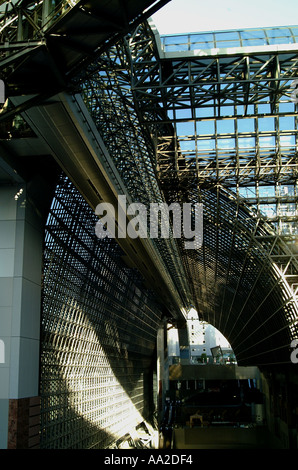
{"x": 98, "y": 333}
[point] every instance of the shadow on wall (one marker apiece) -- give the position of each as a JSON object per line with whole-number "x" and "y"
{"x": 99, "y": 328}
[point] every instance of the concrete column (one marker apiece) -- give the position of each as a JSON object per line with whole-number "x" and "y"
{"x": 21, "y": 238}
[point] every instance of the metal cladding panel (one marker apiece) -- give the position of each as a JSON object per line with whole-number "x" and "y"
{"x": 98, "y": 330}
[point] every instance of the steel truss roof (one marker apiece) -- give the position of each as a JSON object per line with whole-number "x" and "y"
{"x": 200, "y": 125}
{"x": 244, "y": 279}
{"x": 44, "y": 44}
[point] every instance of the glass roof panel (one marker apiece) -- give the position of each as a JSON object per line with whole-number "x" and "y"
{"x": 175, "y": 39}
{"x": 278, "y": 32}
{"x": 227, "y": 43}
{"x": 245, "y": 37}
{"x": 254, "y": 42}
{"x": 204, "y": 37}
{"x": 252, "y": 33}
{"x": 227, "y": 35}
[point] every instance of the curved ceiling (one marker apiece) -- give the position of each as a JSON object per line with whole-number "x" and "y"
{"x": 243, "y": 279}
{"x": 217, "y": 128}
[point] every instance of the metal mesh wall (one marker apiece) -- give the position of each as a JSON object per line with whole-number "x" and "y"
{"x": 108, "y": 96}
{"x": 98, "y": 333}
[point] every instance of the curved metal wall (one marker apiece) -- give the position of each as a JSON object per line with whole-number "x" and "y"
{"x": 98, "y": 333}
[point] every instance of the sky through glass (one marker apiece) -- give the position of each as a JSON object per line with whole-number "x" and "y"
{"x": 181, "y": 16}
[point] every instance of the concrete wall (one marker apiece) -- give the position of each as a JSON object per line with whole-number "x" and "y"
{"x": 21, "y": 240}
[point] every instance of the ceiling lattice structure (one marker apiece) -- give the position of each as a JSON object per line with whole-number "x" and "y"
{"x": 43, "y": 44}
{"x": 204, "y": 118}
{"x": 217, "y": 128}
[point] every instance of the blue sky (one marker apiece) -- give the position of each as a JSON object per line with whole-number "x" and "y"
{"x": 180, "y": 16}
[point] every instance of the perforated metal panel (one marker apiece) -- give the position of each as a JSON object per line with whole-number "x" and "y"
{"x": 98, "y": 333}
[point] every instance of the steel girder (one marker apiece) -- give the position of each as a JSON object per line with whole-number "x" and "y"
{"x": 46, "y": 43}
